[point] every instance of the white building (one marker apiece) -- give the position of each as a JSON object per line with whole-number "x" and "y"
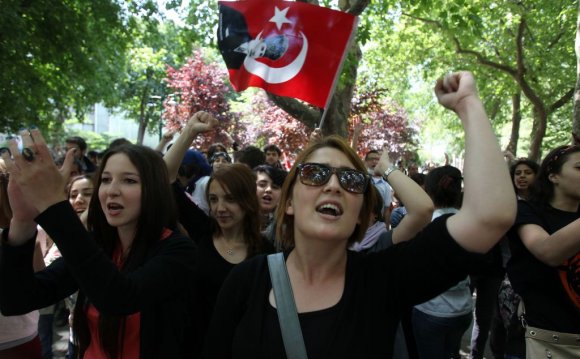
{"x": 101, "y": 120}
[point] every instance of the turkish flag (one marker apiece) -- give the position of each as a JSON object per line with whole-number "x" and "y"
{"x": 290, "y": 49}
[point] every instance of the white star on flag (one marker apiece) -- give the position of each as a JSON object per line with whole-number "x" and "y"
{"x": 280, "y": 18}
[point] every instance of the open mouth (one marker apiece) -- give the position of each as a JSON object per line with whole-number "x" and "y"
{"x": 114, "y": 208}
{"x": 329, "y": 209}
{"x": 267, "y": 199}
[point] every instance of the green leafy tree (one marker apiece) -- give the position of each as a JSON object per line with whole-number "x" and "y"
{"x": 57, "y": 58}
{"x": 513, "y": 47}
{"x": 154, "y": 46}
{"x": 576, "y": 114}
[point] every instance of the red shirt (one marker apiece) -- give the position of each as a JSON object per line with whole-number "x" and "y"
{"x": 132, "y": 332}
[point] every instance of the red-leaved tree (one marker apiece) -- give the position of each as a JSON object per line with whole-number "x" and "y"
{"x": 277, "y": 127}
{"x": 200, "y": 86}
{"x": 382, "y": 121}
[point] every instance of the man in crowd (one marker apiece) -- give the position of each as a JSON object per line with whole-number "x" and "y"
{"x": 371, "y": 159}
{"x": 81, "y": 146}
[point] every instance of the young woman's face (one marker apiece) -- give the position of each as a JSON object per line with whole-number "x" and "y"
{"x": 326, "y": 212}
{"x": 523, "y": 177}
{"x": 220, "y": 162}
{"x": 268, "y": 193}
{"x": 80, "y": 194}
{"x": 567, "y": 182}
{"x": 120, "y": 193}
{"x": 224, "y": 208}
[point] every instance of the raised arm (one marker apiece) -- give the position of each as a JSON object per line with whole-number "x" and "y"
{"x": 553, "y": 249}
{"x": 200, "y": 122}
{"x": 356, "y": 134}
{"x": 24, "y": 201}
{"x": 165, "y": 139}
{"x": 418, "y": 204}
{"x": 315, "y": 136}
{"x": 489, "y": 203}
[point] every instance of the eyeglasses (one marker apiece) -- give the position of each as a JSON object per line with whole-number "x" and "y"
{"x": 220, "y": 154}
{"x": 317, "y": 174}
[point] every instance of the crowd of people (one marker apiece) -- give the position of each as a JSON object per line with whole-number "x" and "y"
{"x": 165, "y": 253}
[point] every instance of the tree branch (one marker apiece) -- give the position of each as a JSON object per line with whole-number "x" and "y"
{"x": 358, "y": 6}
{"x": 556, "y": 39}
{"x": 521, "y": 68}
{"x": 460, "y": 50}
{"x": 562, "y": 100}
{"x": 303, "y": 113}
{"x": 482, "y": 59}
{"x": 517, "y": 73}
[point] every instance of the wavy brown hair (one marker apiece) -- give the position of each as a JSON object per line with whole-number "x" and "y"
{"x": 240, "y": 182}
{"x": 285, "y": 222}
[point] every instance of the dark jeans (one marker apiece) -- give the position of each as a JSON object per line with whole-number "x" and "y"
{"x": 45, "y": 324}
{"x": 439, "y": 337}
{"x": 485, "y": 306}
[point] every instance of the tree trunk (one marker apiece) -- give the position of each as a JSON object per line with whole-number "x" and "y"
{"x": 339, "y": 108}
{"x": 576, "y": 119}
{"x": 538, "y": 132}
{"x": 142, "y": 124}
{"x": 516, "y": 120}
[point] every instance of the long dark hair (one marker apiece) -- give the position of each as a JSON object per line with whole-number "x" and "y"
{"x": 240, "y": 182}
{"x": 157, "y": 213}
{"x": 542, "y": 190}
{"x": 5, "y": 210}
{"x": 443, "y": 185}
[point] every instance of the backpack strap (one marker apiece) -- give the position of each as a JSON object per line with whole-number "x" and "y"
{"x": 286, "y": 308}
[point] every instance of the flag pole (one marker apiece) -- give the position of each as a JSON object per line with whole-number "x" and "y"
{"x": 338, "y": 71}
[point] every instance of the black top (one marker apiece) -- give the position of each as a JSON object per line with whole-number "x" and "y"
{"x": 212, "y": 268}
{"x": 160, "y": 290}
{"x": 547, "y": 304}
{"x": 363, "y": 323}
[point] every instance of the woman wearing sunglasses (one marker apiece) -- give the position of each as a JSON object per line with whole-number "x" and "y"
{"x": 349, "y": 304}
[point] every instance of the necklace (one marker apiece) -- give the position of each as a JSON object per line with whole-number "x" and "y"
{"x": 231, "y": 249}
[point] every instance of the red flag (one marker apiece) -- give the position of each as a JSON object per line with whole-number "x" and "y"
{"x": 290, "y": 49}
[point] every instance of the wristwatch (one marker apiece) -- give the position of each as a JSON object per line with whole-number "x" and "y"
{"x": 389, "y": 171}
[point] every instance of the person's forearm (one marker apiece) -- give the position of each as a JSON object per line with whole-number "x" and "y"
{"x": 417, "y": 202}
{"x": 489, "y": 201}
{"x": 554, "y": 249}
{"x": 174, "y": 156}
{"x": 563, "y": 244}
{"x": 21, "y": 232}
{"x": 355, "y": 136}
{"x": 162, "y": 144}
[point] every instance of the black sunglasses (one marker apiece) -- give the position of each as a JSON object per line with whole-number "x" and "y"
{"x": 317, "y": 174}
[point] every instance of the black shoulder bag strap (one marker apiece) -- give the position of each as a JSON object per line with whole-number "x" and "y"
{"x": 286, "y": 308}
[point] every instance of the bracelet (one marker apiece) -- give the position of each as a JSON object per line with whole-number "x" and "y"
{"x": 389, "y": 171}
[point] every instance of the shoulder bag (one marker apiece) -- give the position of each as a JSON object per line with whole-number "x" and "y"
{"x": 542, "y": 343}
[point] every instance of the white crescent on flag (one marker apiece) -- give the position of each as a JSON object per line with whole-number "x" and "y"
{"x": 276, "y": 75}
